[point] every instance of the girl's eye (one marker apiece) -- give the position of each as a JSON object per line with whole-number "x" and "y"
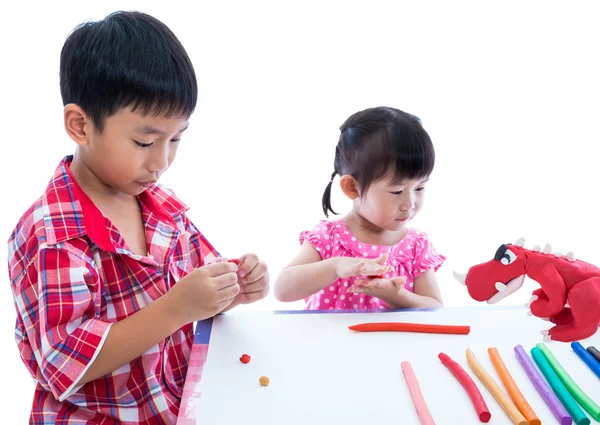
{"x": 396, "y": 193}
{"x": 175, "y": 140}
{"x": 143, "y": 145}
{"x": 418, "y": 189}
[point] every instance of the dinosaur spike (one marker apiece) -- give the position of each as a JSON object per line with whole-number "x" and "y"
{"x": 520, "y": 242}
{"x": 558, "y": 254}
{"x": 536, "y": 248}
{"x": 532, "y": 299}
{"x": 501, "y": 287}
{"x": 461, "y": 277}
{"x": 571, "y": 256}
{"x": 547, "y": 249}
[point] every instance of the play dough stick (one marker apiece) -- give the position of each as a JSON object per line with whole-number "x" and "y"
{"x": 594, "y": 352}
{"x": 559, "y": 389}
{"x": 512, "y": 389}
{"x": 465, "y": 380}
{"x": 410, "y": 327}
{"x": 504, "y": 401}
{"x": 587, "y": 358}
{"x": 415, "y": 394}
{"x": 542, "y": 387}
{"x": 587, "y": 403}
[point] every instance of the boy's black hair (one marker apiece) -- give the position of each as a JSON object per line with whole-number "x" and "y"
{"x": 378, "y": 142}
{"x": 128, "y": 59}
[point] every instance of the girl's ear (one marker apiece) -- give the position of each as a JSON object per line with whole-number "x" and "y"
{"x": 349, "y": 186}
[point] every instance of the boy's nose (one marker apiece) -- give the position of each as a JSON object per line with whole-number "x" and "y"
{"x": 160, "y": 160}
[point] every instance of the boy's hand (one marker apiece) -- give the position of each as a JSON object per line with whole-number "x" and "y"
{"x": 205, "y": 292}
{"x": 350, "y": 267}
{"x": 254, "y": 280}
{"x": 386, "y": 289}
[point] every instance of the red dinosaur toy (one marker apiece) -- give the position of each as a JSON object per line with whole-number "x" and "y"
{"x": 569, "y": 295}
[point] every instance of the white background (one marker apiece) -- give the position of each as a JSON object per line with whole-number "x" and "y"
{"x": 507, "y": 90}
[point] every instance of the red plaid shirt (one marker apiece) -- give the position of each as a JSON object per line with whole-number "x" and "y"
{"x": 72, "y": 275}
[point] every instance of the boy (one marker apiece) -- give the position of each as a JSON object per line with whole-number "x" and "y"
{"x": 108, "y": 273}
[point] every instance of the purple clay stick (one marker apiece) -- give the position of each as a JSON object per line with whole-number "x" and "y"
{"x": 542, "y": 387}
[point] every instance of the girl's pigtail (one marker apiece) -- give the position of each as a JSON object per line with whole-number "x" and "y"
{"x": 326, "y": 202}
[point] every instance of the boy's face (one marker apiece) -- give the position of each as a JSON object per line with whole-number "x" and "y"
{"x": 133, "y": 150}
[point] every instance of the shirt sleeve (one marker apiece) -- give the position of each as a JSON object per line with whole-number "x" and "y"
{"x": 201, "y": 250}
{"x": 58, "y": 302}
{"x": 321, "y": 238}
{"x": 425, "y": 256}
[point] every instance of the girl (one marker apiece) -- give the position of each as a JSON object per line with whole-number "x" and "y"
{"x": 370, "y": 258}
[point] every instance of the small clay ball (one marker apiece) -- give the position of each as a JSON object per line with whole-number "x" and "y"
{"x": 264, "y": 381}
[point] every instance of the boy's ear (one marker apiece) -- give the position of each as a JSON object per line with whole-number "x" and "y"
{"x": 349, "y": 186}
{"x": 77, "y": 124}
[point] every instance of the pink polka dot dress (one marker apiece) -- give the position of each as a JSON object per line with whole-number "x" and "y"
{"x": 410, "y": 257}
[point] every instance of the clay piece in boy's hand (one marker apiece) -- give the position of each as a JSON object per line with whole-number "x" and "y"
{"x": 245, "y": 358}
{"x": 264, "y": 381}
{"x": 235, "y": 261}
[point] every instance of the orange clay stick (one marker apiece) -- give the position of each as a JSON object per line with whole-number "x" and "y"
{"x": 504, "y": 401}
{"x": 410, "y": 327}
{"x": 512, "y": 388}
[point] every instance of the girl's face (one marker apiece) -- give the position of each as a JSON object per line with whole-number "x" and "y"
{"x": 391, "y": 205}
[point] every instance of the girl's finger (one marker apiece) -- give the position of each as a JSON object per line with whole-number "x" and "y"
{"x": 381, "y": 259}
{"x": 399, "y": 281}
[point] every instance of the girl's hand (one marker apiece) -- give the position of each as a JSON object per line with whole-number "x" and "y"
{"x": 350, "y": 267}
{"x": 388, "y": 290}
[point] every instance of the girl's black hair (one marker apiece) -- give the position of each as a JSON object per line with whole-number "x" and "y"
{"x": 128, "y": 59}
{"x": 376, "y": 142}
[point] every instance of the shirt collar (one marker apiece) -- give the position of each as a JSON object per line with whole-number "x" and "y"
{"x": 69, "y": 213}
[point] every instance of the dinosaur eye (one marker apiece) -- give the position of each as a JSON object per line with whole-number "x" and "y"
{"x": 508, "y": 258}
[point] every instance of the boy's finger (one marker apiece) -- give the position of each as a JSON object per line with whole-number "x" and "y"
{"x": 257, "y": 273}
{"x": 247, "y": 263}
{"x": 220, "y": 268}
{"x": 229, "y": 292}
{"x": 254, "y": 296}
{"x": 226, "y": 281}
{"x": 259, "y": 285}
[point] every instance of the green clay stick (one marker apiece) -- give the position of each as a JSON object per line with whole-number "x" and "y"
{"x": 582, "y": 398}
{"x": 559, "y": 389}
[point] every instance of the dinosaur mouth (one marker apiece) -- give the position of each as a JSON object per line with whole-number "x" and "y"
{"x": 510, "y": 288}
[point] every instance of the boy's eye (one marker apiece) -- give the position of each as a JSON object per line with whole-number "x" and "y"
{"x": 175, "y": 140}
{"x": 142, "y": 145}
{"x": 418, "y": 189}
{"x": 396, "y": 193}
